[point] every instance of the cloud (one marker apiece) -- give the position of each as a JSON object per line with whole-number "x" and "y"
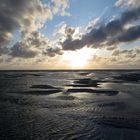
{"x": 131, "y": 34}
{"x": 64, "y": 31}
{"x": 20, "y": 50}
{"x": 21, "y": 15}
{"x": 127, "y": 53}
{"x": 26, "y": 17}
{"x": 51, "y": 52}
{"x": 112, "y": 33}
{"x": 111, "y": 48}
{"x": 120, "y": 58}
{"x": 93, "y": 23}
{"x": 65, "y": 34}
{"x": 60, "y": 6}
{"x": 35, "y": 45}
{"x": 31, "y": 45}
{"x": 128, "y": 3}
{"x": 36, "y": 40}
{"x": 70, "y": 44}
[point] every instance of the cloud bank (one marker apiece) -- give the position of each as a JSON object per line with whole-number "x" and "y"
{"x": 26, "y": 17}
{"x": 111, "y": 33}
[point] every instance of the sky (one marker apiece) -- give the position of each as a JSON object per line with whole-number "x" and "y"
{"x": 69, "y": 34}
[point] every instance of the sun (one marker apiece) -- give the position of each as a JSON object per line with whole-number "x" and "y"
{"x": 79, "y": 58}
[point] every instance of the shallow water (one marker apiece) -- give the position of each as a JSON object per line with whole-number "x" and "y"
{"x": 36, "y": 105}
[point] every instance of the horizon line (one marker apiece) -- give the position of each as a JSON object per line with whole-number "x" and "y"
{"x": 66, "y": 69}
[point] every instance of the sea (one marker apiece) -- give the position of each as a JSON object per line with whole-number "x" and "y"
{"x": 70, "y": 105}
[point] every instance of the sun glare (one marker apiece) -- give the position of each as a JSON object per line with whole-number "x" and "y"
{"x": 79, "y": 58}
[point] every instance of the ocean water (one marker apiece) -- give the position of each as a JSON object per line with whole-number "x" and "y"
{"x": 70, "y": 105}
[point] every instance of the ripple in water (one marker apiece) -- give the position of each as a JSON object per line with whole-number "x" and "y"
{"x": 36, "y": 106}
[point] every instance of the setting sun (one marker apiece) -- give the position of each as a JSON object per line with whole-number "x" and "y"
{"x": 80, "y": 58}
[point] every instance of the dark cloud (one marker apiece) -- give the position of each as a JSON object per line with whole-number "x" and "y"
{"x": 130, "y": 15}
{"x": 3, "y": 50}
{"x": 4, "y": 40}
{"x": 108, "y": 34}
{"x": 37, "y": 40}
{"x": 30, "y": 46}
{"x": 51, "y": 52}
{"x": 13, "y": 12}
{"x": 20, "y": 15}
{"x": 131, "y": 34}
{"x": 70, "y": 44}
{"x": 26, "y": 17}
{"x": 20, "y": 50}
